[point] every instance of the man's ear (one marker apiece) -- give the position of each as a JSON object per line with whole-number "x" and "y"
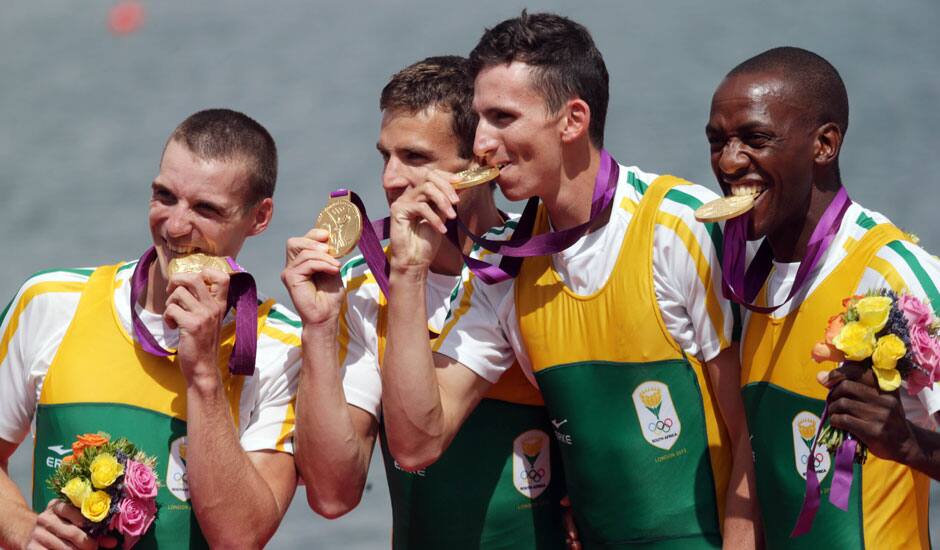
{"x": 261, "y": 214}
{"x": 828, "y": 144}
{"x": 575, "y": 120}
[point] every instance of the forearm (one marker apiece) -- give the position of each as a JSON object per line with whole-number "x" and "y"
{"x": 18, "y": 520}
{"x": 331, "y": 454}
{"x": 742, "y": 525}
{"x": 233, "y": 504}
{"x": 411, "y": 399}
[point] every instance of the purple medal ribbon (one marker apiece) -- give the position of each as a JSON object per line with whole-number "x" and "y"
{"x": 521, "y": 245}
{"x": 742, "y": 286}
{"x": 841, "y": 486}
{"x": 242, "y": 294}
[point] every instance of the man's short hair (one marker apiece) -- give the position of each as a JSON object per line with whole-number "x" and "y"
{"x": 811, "y": 76}
{"x": 443, "y": 82}
{"x": 564, "y": 60}
{"x": 227, "y": 135}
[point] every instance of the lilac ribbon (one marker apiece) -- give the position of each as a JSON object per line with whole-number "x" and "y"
{"x": 841, "y": 486}
{"x": 524, "y": 246}
{"x": 521, "y": 245}
{"x": 242, "y": 293}
{"x": 742, "y": 285}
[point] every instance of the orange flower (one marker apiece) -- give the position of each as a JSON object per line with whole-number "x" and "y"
{"x": 78, "y": 449}
{"x": 68, "y": 459}
{"x": 850, "y": 301}
{"x": 835, "y": 327}
{"x": 92, "y": 440}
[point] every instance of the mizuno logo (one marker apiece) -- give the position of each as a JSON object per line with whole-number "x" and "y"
{"x": 60, "y": 450}
{"x": 558, "y": 424}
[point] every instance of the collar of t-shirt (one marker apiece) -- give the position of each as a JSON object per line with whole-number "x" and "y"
{"x": 783, "y": 274}
{"x": 586, "y": 265}
{"x": 165, "y": 336}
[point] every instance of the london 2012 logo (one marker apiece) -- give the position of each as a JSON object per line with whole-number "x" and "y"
{"x": 531, "y": 463}
{"x": 659, "y": 422}
{"x": 805, "y": 426}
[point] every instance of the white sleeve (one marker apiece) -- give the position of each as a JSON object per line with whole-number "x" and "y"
{"x": 32, "y": 327}
{"x": 362, "y": 381}
{"x": 475, "y": 331}
{"x": 687, "y": 275}
{"x": 271, "y": 424}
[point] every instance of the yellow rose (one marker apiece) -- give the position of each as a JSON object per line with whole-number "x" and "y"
{"x": 96, "y": 506}
{"x": 104, "y": 470}
{"x": 888, "y": 379}
{"x": 873, "y": 311}
{"x": 888, "y": 350}
{"x": 77, "y": 490}
{"x": 855, "y": 340}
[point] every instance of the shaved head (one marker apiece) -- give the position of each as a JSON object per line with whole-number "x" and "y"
{"x": 812, "y": 80}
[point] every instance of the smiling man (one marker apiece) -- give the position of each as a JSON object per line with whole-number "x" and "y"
{"x": 72, "y": 359}
{"x": 776, "y": 128}
{"x": 499, "y": 484}
{"x": 624, "y": 331}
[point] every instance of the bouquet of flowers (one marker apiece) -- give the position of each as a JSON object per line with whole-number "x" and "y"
{"x": 897, "y": 335}
{"x": 114, "y": 485}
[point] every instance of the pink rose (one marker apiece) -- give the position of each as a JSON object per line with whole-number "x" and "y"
{"x": 133, "y": 518}
{"x": 926, "y": 353}
{"x": 140, "y": 480}
{"x": 915, "y": 311}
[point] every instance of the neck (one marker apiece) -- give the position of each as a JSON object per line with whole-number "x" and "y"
{"x": 478, "y": 211}
{"x": 154, "y": 298}
{"x": 569, "y": 202}
{"x": 790, "y": 242}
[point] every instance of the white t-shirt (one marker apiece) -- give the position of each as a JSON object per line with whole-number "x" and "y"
{"x": 483, "y": 332}
{"x": 362, "y": 381}
{"x": 34, "y": 325}
{"x": 898, "y": 265}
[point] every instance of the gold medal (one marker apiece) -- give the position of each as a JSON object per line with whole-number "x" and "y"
{"x": 725, "y": 208}
{"x": 195, "y": 263}
{"x": 344, "y": 222}
{"x": 475, "y": 176}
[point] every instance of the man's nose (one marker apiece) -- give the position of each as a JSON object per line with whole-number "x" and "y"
{"x": 484, "y": 142}
{"x": 732, "y": 160}
{"x": 394, "y": 176}
{"x": 178, "y": 222}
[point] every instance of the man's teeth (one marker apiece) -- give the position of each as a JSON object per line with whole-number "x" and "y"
{"x": 743, "y": 190}
{"x": 181, "y": 250}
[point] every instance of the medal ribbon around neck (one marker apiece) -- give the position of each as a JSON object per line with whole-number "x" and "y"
{"x": 742, "y": 285}
{"x": 242, "y": 294}
{"x": 522, "y": 244}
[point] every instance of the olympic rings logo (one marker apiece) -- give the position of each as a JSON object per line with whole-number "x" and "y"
{"x": 817, "y": 459}
{"x": 533, "y": 475}
{"x": 660, "y": 426}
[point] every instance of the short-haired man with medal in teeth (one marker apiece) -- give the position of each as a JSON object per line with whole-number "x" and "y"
{"x": 139, "y": 351}
{"x": 776, "y": 129}
{"x": 616, "y": 310}
{"x": 499, "y": 484}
